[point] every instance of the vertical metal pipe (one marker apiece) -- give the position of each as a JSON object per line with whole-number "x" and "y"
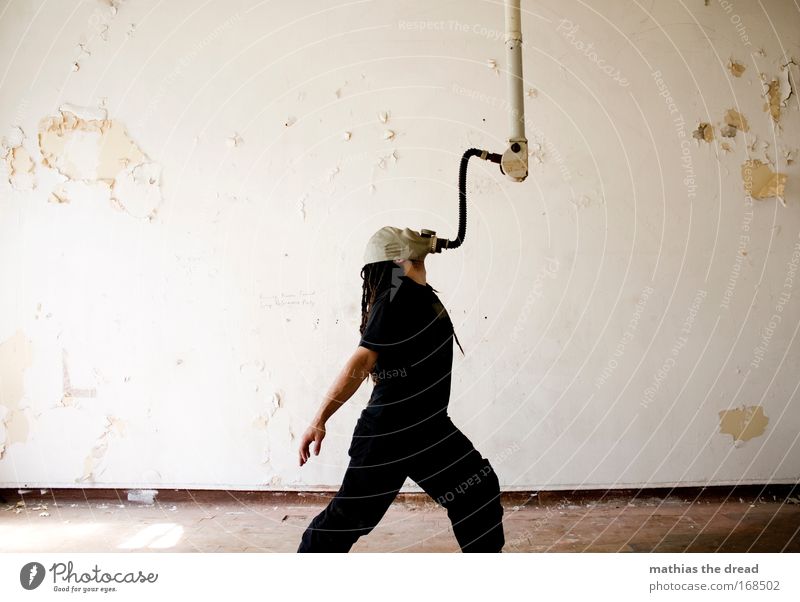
{"x": 514, "y": 68}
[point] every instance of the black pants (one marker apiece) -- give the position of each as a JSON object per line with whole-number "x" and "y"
{"x": 439, "y": 458}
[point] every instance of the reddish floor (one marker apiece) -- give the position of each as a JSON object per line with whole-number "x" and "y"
{"x": 745, "y": 519}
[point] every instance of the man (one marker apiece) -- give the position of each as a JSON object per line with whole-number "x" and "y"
{"x": 406, "y": 345}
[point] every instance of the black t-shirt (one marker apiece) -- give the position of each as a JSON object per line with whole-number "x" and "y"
{"x": 412, "y": 332}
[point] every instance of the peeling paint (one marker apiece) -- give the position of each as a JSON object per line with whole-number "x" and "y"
{"x": 16, "y": 356}
{"x": 743, "y": 424}
{"x": 736, "y": 68}
{"x": 18, "y": 161}
{"x": 704, "y": 131}
{"x": 734, "y": 121}
{"x": 20, "y": 168}
{"x": 788, "y": 79}
{"x": 536, "y": 150}
{"x": 15, "y": 138}
{"x": 760, "y": 182}
{"x": 70, "y": 393}
{"x": 383, "y": 161}
{"x": 780, "y": 89}
{"x": 137, "y": 191}
{"x": 113, "y": 426}
{"x": 58, "y": 196}
{"x": 773, "y": 104}
{"x": 113, "y": 5}
{"x": 86, "y": 149}
{"x": 83, "y": 145}
{"x": 3, "y": 432}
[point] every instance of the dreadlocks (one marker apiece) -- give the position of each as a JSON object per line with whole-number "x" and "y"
{"x": 378, "y": 276}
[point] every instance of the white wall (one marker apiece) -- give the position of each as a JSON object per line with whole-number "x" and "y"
{"x": 180, "y": 270}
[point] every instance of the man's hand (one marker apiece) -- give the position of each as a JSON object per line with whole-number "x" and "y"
{"x": 314, "y": 434}
{"x": 351, "y": 376}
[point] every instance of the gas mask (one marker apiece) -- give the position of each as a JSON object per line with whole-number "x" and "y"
{"x": 391, "y": 243}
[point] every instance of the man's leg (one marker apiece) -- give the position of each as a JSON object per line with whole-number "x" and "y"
{"x": 368, "y": 488}
{"x": 454, "y": 474}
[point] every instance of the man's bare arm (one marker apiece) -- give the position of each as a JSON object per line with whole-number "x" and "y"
{"x": 346, "y": 384}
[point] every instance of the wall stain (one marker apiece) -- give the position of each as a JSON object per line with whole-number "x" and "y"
{"x": 16, "y": 356}
{"x": 760, "y": 182}
{"x": 743, "y": 424}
